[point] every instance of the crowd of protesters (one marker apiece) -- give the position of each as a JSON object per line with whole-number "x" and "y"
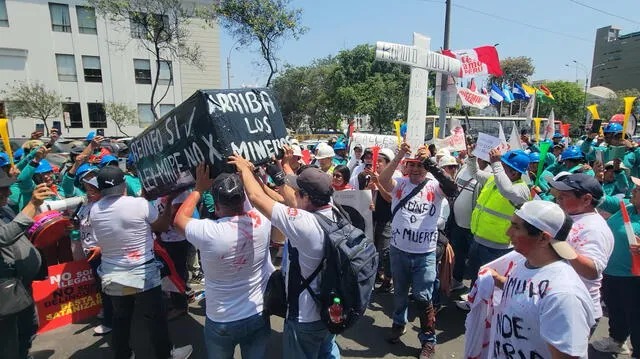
{"x": 439, "y": 218}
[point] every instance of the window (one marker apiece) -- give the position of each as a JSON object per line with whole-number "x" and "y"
{"x": 164, "y": 109}
{"x": 97, "y": 116}
{"x": 138, "y": 30}
{"x": 165, "y": 77}
{"x": 4, "y": 17}
{"x": 75, "y": 115}
{"x": 145, "y": 116}
{"x": 92, "y": 70}
{"x": 144, "y": 26}
{"x": 86, "y": 20}
{"x": 142, "y": 71}
{"x": 60, "y": 17}
{"x": 66, "y": 68}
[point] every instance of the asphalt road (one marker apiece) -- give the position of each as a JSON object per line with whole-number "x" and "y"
{"x": 365, "y": 340}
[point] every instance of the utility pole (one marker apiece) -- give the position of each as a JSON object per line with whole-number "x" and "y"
{"x": 228, "y": 72}
{"x": 445, "y": 77}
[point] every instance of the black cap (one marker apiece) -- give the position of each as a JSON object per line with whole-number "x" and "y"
{"x": 313, "y": 181}
{"x": 227, "y": 189}
{"x": 110, "y": 180}
{"x": 579, "y": 182}
{"x": 6, "y": 180}
{"x": 77, "y": 149}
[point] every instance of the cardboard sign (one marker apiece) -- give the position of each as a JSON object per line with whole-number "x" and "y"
{"x": 368, "y": 140}
{"x": 68, "y": 295}
{"x": 455, "y": 142}
{"x": 208, "y": 127}
{"x": 358, "y": 205}
{"x": 485, "y": 144}
{"x": 473, "y": 99}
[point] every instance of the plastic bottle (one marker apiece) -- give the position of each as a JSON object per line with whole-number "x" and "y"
{"x": 335, "y": 311}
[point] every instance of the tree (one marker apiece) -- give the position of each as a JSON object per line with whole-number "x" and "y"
{"x": 515, "y": 70}
{"x": 160, "y": 26}
{"x": 121, "y": 114}
{"x": 615, "y": 105}
{"x": 266, "y": 21}
{"x": 568, "y": 105}
{"x": 33, "y": 101}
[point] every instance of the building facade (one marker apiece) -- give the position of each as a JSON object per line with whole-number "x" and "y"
{"x": 615, "y": 59}
{"x": 90, "y": 62}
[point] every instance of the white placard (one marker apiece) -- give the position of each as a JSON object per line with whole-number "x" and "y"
{"x": 358, "y": 205}
{"x": 485, "y": 144}
{"x": 371, "y": 139}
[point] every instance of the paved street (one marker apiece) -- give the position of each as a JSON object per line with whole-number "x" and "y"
{"x": 366, "y": 340}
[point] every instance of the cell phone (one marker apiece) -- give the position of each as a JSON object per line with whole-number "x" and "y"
{"x": 595, "y": 126}
{"x": 368, "y": 165}
{"x": 38, "y": 178}
{"x": 100, "y": 132}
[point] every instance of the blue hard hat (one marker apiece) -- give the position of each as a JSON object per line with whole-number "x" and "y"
{"x": 91, "y": 135}
{"x": 557, "y": 135}
{"x": 85, "y": 169}
{"x": 4, "y": 159}
{"x": 534, "y": 157}
{"x": 130, "y": 160}
{"x": 106, "y": 159}
{"x": 44, "y": 167}
{"x": 572, "y": 152}
{"x": 18, "y": 154}
{"x": 339, "y": 146}
{"x": 516, "y": 159}
{"x": 612, "y": 128}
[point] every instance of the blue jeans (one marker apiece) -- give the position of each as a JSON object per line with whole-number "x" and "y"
{"x": 252, "y": 334}
{"x": 308, "y": 341}
{"x": 417, "y": 271}
{"x": 480, "y": 255}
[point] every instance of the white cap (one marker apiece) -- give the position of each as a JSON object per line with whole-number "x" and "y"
{"x": 324, "y": 151}
{"x": 447, "y": 161}
{"x": 293, "y": 141}
{"x": 297, "y": 151}
{"x": 387, "y": 152}
{"x": 551, "y": 219}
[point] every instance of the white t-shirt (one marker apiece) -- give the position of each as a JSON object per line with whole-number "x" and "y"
{"x": 591, "y": 237}
{"x": 414, "y": 228}
{"x": 87, "y": 237}
{"x": 171, "y": 235}
{"x": 302, "y": 230}
{"x": 542, "y": 306}
{"x": 463, "y": 205}
{"x": 235, "y": 259}
{"x": 122, "y": 227}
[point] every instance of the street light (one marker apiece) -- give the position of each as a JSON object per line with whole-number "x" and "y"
{"x": 233, "y": 47}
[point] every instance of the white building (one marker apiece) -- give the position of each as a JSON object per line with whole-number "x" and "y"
{"x": 90, "y": 62}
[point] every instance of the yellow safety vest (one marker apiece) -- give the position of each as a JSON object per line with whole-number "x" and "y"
{"x": 492, "y": 215}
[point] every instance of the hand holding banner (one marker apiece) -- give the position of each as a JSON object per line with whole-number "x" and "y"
{"x": 484, "y": 144}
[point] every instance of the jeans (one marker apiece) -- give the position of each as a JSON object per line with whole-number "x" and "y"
{"x": 622, "y": 295}
{"x": 107, "y": 307}
{"x": 151, "y": 304}
{"x": 461, "y": 239}
{"x": 17, "y": 331}
{"x": 252, "y": 334}
{"x": 382, "y": 238}
{"x": 178, "y": 252}
{"x": 480, "y": 255}
{"x": 308, "y": 341}
{"x": 412, "y": 270}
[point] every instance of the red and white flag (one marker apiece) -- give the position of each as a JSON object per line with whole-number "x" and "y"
{"x": 479, "y": 61}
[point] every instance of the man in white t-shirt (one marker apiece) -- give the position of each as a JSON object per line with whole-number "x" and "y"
{"x": 545, "y": 311}
{"x": 123, "y": 228}
{"x": 304, "y": 335}
{"x": 234, "y": 250}
{"x": 414, "y": 235}
{"x": 578, "y": 194}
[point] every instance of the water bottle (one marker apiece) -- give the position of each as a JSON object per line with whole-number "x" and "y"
{"x": 335, "y": 311}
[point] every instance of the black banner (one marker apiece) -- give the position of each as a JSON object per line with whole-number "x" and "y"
{"x": 209, "y": 127}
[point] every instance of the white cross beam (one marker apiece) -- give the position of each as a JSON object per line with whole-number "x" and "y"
{"x": 421, "y": 60}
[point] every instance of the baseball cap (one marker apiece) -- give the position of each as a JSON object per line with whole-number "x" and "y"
{"x": 227, "y": 188}
{"x": 313, "y": 181}
{"x": 579, "y": 182}
{"x": 6, "y": 180}
{"x": 550, "y": 218}
{"x": 111, "y": 181}
{"x": 387, "y": 154}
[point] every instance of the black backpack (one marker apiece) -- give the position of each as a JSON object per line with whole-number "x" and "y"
{"x": 347, "y": 270}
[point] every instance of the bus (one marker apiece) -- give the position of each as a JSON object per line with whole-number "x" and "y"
{"x": 476, "y": 124}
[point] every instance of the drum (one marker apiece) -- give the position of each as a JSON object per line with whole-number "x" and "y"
{"x": 48, "y": 228}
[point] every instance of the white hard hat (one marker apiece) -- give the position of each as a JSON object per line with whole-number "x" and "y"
{"x": 387, "y": 152}
{"x": 297, "y": 151}
{"x": 443, "y": 152}
{"x": 447, "y": 161}
{"x": 293, "y": 141}
{"x": 324, "y": 151}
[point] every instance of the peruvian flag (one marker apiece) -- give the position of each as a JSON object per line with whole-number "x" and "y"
{"x": 479, "y": 61}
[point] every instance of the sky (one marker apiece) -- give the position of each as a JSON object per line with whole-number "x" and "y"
{"x": 553, "y": 33}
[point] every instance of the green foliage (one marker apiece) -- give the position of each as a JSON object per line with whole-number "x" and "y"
{"x": 266, "y": 21}
{"x": 161, "y": 28}
{"x": 32, "y": 101}
{"x": 568, "y": 106}
{"x": 515, "y": 69}
{"x": 614, "y": 106}
{"x": 121, "y": 114}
